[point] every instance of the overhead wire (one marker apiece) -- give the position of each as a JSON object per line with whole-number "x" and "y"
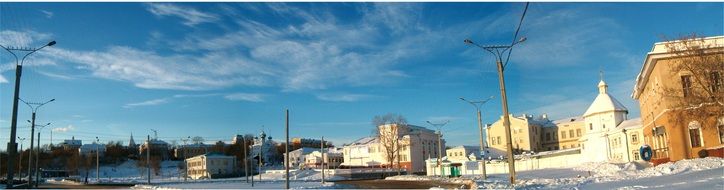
{"x": 515, "y": 36}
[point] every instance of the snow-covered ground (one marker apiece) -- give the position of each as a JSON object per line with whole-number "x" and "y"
{"x": 304, "y": 179}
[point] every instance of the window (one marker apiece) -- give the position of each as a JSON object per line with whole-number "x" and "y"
{"x": 604, "y": 126}
{"x": 578, "y": 132}
{"x": 498, "y": 139}
{"x": 590, "y": 126}
{"x": 548, "y": 136}
{"x": 635, "y": 155}
{"x": 686, "y": 85}
{"x": 721, "y": 133}
{"x": 715, "y": 81}
{"x": 570, "y": 133}
{"x": 695, "y": 138}
{"x": 635, "y": 138}
{"x": 564, "y": 146}
{"x": 563, "y": 134}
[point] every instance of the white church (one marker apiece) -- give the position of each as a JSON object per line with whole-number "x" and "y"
{"x": 610, "y": 135}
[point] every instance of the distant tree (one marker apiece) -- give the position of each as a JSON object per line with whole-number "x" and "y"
{"x": 703, "y": 66}
{"x": 197, "y": 140}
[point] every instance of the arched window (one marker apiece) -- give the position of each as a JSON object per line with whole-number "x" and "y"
{"x": 695, "y": 134}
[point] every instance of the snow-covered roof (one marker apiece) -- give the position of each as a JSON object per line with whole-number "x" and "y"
{"x": 467, "y": 147}
{"x": 604, "y": 102}
{"x": 364, "y": 140}
{"x": 631, "y": 123}
{"x": 568, "y": 120}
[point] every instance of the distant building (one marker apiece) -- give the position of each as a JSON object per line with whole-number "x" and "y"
{"x": 311, "y": 143}
{"x": 296, "y": 157}
{"x": 526, "y": 131}
{"x": 191, "y": 150}
{"x": 211, "y": 165}
{"x": 90, "y": 149}
{"x": 71, "y": 144}
{"x": 563, "y": 134}
{"x": 265, "y": 147}
{"x": 158, "y": 148}
{"x": 463, "y": 153}
{"x": 364, "y": 152}
{"x": 332, "y": 158}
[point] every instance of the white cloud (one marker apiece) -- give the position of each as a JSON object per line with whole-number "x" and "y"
{"x": 13, "y": 38}
{"x": 190, "y": 15}
{"x": 47, "y": 14}
{"x": 54, "y": 75}
{"x": 344, "y": 97}
{"x": 245, "y": 97}
{"x": 64, "y": 129}
{"x": 153, "y": 102}
{"x": 3, "y": 79}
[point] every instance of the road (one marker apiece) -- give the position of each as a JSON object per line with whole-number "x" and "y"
{"x": 394, "y": 184}
{"x": 69, "y": 186}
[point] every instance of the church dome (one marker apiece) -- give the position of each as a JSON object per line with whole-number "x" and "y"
{"x": 604, "y": 102}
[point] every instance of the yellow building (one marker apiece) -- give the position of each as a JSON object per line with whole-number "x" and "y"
{"x": 525, "y": 132}
{"x": 668, "y": 96}
{"x": 212, "y": 165}
{"x": 564, "y": 134}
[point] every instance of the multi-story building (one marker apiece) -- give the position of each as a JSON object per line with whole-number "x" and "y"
{"x": 158, "y": 148}
{"x": 332, "y": 158}
{"x": 71, "y": 144}
{"x": 674, "y": 88}
{"x": 625, "y": 140}
{"x": 265, "y": 147}
{"x": 191, "y": 150}
{"x": 211, "y": 165}
{"x": 90, "y": 149}
{"x": 311, "y": 143}
{"x": 563, "y": 134}
{"x": 296, "y": 157}
{"x": 525, "y": 130}
{"x": 414, "y": 145}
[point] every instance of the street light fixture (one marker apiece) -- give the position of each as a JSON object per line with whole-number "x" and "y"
{"x": 477, "y": 105}
{"x": 34, "y": 106}
{"x": 498, "y": 51}
{"x": 12, "y": 145}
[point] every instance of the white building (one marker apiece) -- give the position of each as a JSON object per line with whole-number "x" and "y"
{"x": 415, "y": 145}
{"x": 333, "y": 158}
{"x": 90, "y": 149}
{"x": 463, "y": 153}
{"x": 266, "y": 146}
{"x": 212, "y": 165}
{"x": 296, "y": 158}
{"x": 71, "y": 144}
{"x": 602, "y": 121}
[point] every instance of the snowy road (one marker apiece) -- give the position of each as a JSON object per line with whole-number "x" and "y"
{"x": 704, "y": 179}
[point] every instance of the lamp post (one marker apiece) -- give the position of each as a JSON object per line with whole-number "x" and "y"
{"x": 498, "y": 51}
{"x": 12, "y": 145}
{"x": 37, "y": 156}
{"x": 20, "y": 159}
{"x": 439, "y": 143}
{"x": 97, "y": 160}
{"x": 477, "y": 105}
{"x": 34, "y": 106}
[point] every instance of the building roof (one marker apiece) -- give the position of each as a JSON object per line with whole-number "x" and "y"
{"x": 365, "y": 140}
{"x": 631, "y": 123}
{"x": 466, "y": 147}
{"x": 568, "y": 120}
{"x": 604, "y": 102}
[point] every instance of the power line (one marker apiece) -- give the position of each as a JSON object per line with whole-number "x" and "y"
{"x": 515, "y": 36}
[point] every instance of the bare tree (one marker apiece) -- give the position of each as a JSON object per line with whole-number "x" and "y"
{"x": 389, "y": 130}
{"x": 701, "y": 94}
{"x": 197, "y": 140}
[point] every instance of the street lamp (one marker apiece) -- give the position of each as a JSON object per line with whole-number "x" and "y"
{"x": 20, "y": 159}
{"x": 439, "y": 143}
{"x": 98, "y": 179}
{"x": 498, "y": 51}
{"x": 34, "y": 106}
{"x": 477, "y": 105}
{"x": 12, "y": 145}
{"x": 37, "y": 156}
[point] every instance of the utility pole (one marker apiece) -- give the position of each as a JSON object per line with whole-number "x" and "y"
{"x": 37, "y": 157}
{"x": 322, "y": 150}
{"x": 477, "y": 105}
{"x": 286, "y": 149}
{"x": 12, "y": 145}
{"x": 98, "y": 179}
{"x": 186, "y": 164}
{"x": 148, "y": 158}
{"x": 20, "y": 159}
{"x": 34, "y": 107}
{"x": 439, "y": 143}
{"x": 246, "y": 166}
{"x": 250, "y": 164}
{"x": 498, "y": 51}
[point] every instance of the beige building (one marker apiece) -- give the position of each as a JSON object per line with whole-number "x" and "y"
{"x": 463, "y": 153}
{"x": 332, "y": 158}
{"x": 212, "y": 165}
{"x": 625, "y": 140}
{"x": 563, "y": 134}
{"x": 415, "y": 145}
{"x": 667, "y": 94}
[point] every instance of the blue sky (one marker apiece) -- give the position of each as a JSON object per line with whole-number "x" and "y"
{"x": 217, "y": 69}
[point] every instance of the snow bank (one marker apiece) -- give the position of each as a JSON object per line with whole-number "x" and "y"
{"x": 461, "y": 181}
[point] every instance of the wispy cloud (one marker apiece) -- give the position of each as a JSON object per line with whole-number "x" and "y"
{"x": 442, "y": 118}
{"x": 245, "y": 97}
{"x": 344, "y": 97}
{"x": 64, "y": 129}
{"x": 190, "y": 15}
{"x": 47, "y": 14}
{"x": 55, "y": 75}
{"x": 153, "y": 102}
